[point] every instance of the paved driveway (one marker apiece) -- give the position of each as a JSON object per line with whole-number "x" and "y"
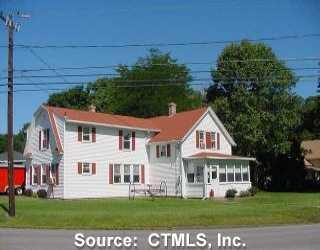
{"x": 302, "y": 237}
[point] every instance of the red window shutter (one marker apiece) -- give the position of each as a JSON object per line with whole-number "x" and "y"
{"x": 168, "y": 150}
{"x": 48, "y": 171}
{"x": 218, "y": 140}
{"x": 30, "y": 175}
{"x": 197, "y": 139}
{"x": 158, "y": 151}
{"x": 208, "y": 140}
{"x": 93, "y": 134}
{"x": 94, "y": 170}
{"x": 142, "y": 174}
{"x": 79, "y": 167}
{"x": 39, "y": 174}
{"x": 57, "y": 174}
{"x": 48, "y": 138}
{"x": 40, "y": 140}
{"x": 110, "y": 173}
{"x": 133, "y": 137}
{"x": 120, "y": 139}
{"x": 79, "y": 133}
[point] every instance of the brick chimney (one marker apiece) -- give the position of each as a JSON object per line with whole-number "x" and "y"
{"x": 92, "y": 108}
{"x": 172, "y": 108}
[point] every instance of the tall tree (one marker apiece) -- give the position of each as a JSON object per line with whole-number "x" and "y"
{"x": 310, "y": 128}
{"x": 252, "y": 94}
{"x": 19, "y": 140}
{"x": 146, "y": 88}
{"x": 77, "y": 97}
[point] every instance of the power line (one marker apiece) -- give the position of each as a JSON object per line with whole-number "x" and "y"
{"x": 175, "y": 44}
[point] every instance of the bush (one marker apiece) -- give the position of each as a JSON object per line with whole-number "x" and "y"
{"x": 231, "y": 193}
{"x": 253, "y": 191}
{"x": 28, "y": 192}
{"x": 42, "y": 193}
{"x": 245, "y": 193}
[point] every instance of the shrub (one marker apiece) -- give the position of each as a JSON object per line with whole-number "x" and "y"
{"x": 245, "y": 193}
{"x": 253, "y": 191}
{"x": 28, "y": 192}
{"x": 42, "y": 193}
{"x": 231, "y": 193}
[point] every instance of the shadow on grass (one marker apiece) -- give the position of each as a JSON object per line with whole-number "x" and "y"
{"x": 4, "y": 207}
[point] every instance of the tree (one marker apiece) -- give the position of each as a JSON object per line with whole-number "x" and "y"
{"x": 256, "y": 103}
{"x": 19, "y": 140}
{"x": 146, "y": 88}
{"x": 310, "y": 127}
{"x": 77, "y": 97}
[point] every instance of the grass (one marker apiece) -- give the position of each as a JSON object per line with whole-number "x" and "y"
{"x": 263, "y": 209}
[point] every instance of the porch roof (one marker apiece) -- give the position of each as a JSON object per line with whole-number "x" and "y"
{"x": 213, "y": 155}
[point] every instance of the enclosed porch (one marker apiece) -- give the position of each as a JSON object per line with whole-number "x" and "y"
{"x": 211, "y": 175}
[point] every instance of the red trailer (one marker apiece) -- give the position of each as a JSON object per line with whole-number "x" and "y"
{"x": 19, "y": 178}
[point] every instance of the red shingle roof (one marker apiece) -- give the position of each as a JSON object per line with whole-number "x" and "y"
{"x": 168, "y": 128}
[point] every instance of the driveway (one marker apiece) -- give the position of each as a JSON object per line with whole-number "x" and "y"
{"x": 295, "y": 237}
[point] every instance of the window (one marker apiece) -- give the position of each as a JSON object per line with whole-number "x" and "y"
{"x": 86, "y": 134}
{"x": 199, "y": 174}
{"x": 136, "y": 173}
{"x": 245, "y": 173}
{"x": 116, "y": 173}
{"x": 230, "y": 173}
{"x": 214, "y": 173}
{"x": 127, "y": 140}
{"x": 237, "y": 171}
{"x": 86, "y": 168}
{"x": 201, "y": 139}
{"x": 222, "y": 174}
{"x": 190, "y": 174}
{"x": 163, "y": 152}
{"x": 126, "y": 173}
{"x": 44, "y": 177}
{"x": 213, "y": 140}
{"x": 45, "y": 138}
{"x": 35, "y": 174}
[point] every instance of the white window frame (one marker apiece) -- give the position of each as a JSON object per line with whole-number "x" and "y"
{"x": 131, "y": 179}
{"x": 190, "y": 170}
{"x": 86, "y": 134}
{"x": 213, "y": 136}
{"x": 43, "y": 171}
{"x": 33, "y": 176}
{"x": 90, "y": 168}
{"x": 232, "y": 173}
{"x": 248, "y": 173}
{"x": 44, "y": 136}
{"x": 163, "y": 146}
{"x": 225, "y": 172}
{"x": 128, "y": 132}
{"x": 238, "y": 166}
{"x": 202, "y": 143}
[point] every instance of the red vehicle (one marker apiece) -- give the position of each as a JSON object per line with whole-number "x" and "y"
{"x": 19, "y": 178}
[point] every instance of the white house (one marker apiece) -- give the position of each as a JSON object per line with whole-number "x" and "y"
{"x": 91, "y": 154}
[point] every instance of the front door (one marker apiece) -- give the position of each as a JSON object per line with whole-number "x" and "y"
{"x": 212, "y": 180}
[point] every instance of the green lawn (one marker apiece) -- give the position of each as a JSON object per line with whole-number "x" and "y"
{"x": 263, "y": 209}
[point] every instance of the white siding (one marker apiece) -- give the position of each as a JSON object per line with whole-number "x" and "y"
{"x": 206, "y": 124}
{"x": 166, "y": 169}
{"x": 39, "y": 157}
{"x": 103, "y": 152}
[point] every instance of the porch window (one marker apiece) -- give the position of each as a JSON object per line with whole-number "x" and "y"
{"x": 116, "y": 173}
{"x": 199, "y": 174}
{"x": 245, "y": 173}
{"x": 136, "y": 173}
{"x": 190, "y": 174}
{"x": 222, "y": 174}
{"x": 237, "y": 173}
{"x": 230, "y": 173}
{"x": 126, "y": 173}
{"x": 214, "y": 173}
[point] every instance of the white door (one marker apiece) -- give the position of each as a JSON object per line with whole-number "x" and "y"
{"x": 212, "y": 180}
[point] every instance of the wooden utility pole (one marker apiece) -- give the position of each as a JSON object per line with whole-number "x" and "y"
{"x": 11, "y": 26}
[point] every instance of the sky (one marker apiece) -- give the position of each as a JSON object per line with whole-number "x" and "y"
{"x": 115, "y": 22}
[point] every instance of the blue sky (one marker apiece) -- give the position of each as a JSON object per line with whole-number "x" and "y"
{"x": 151, "y": 21}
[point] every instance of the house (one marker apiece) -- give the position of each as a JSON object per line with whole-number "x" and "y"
{"x": 91, "y": 154}
{"x": 311, "y": 150}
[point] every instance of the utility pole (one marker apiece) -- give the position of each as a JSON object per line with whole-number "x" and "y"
{"x": 11, "y": 26}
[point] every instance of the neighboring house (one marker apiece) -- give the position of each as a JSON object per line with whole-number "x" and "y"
{"x": 89, "y": 154}
{"x": 311, "y": 150}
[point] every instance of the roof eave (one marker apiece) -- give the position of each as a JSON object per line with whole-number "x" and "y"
{"x": 219, "y": 158}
